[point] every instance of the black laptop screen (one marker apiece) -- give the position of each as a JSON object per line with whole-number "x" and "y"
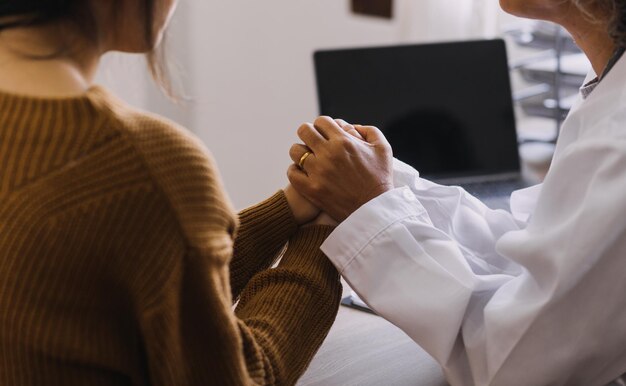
{"x": 445, "y": 108}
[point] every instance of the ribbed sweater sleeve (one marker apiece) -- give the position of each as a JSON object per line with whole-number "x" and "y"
{"x": 305, "y": 291}
{"x": 282, "y": 318}
{"x": 263, "y": 233}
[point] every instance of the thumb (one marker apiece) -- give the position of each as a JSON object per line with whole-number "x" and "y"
{"x": 371, "y": 134}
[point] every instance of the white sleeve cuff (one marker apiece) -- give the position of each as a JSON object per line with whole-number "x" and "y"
{"x": 356, "y": 232}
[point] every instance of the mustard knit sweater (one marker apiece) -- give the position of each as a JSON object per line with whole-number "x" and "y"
{"x": 121, "y": 258}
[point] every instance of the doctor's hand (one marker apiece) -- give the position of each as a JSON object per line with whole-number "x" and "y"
{"x": 342, "y": 172}
{"x": 303, "y": 210}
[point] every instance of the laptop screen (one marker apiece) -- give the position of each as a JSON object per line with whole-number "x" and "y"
{"x": 445, "y": 108}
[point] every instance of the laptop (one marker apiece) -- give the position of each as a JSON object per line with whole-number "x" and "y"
{"x": 446, "y": 109}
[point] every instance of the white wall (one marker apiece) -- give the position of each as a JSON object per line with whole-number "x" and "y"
{"x": 247, "y": 64}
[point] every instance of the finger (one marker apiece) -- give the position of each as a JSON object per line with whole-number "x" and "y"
{"x": 298, "y": 179}
{"x": 371, "y": 134}
{"x": 297, "y": 151}
{"x": 311, "y": 136}
{"x": 328, "y": 127}
{"x": 343, "y": 124}
{"x": 348, "y": 128}
{"x": 302, "y": 157}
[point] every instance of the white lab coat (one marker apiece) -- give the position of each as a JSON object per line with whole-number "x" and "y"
{"x": 532, "y": 297}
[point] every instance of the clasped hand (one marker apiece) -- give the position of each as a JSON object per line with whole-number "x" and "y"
{"x": 348, "y": 166}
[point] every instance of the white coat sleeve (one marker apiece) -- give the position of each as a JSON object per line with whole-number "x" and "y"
{"x": 556, "y": 315}
{"x": 473, "y": 226}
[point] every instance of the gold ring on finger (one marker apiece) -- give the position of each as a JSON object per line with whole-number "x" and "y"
{"x": 302, "y": 159}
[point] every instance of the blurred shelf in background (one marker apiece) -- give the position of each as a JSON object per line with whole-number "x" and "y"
{"x": 549, "y": 76}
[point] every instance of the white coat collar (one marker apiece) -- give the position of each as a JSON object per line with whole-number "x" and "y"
{"x": 605, "y": 101}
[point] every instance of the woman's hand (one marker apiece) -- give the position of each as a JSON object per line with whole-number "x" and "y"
{"x": 343, "y": 172}
{"x": 324, "y": 219}
{"x": 303, "y": 210}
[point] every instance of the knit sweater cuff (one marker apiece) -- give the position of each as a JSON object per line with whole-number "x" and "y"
{"x": 304, "y": 254}
{"x": 270, "y": 222}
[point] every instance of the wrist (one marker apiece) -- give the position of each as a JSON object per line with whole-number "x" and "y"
{"x": 303, "y": 211}
{"x": 373, "y": 193}
{"x": 324, "y": 220}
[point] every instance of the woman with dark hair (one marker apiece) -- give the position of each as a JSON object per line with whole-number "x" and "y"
{"x": 120, "y": 255}
{"x": 532, "y": 297}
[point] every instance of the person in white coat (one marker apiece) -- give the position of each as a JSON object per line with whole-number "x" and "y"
{"x": 535, "y": 296}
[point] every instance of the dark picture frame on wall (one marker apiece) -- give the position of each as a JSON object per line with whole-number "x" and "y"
{"x": 377, "y": 8}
